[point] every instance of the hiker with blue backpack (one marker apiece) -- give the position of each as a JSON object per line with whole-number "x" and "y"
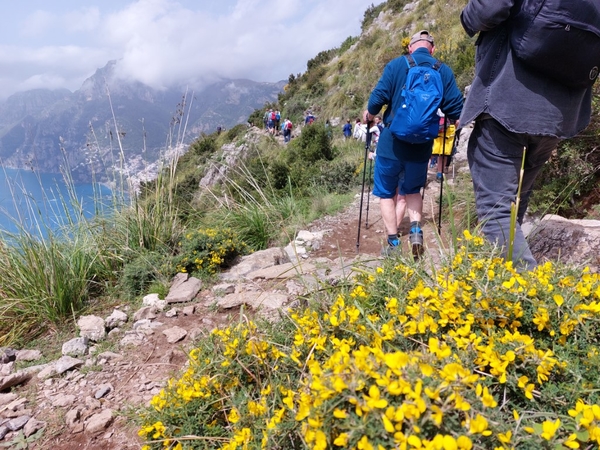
{"x": 536, "y": 62}
{"x": 413, "y": 87}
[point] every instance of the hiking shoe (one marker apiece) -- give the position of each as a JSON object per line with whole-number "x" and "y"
{"x": 415, "y": 238}
{"x": 391, "y": 250}
{"x": 439, "y": 176}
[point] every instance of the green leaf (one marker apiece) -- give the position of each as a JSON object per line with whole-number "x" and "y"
{"x": 538, "y": 428}
{"x": 583, "y": 435}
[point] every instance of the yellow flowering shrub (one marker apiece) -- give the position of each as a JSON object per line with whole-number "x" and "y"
{"x": 473, "y": 356}
{"x": 208, "y": 250}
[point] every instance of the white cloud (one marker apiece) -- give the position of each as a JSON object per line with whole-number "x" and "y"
{"x": 84, "y": 20}
{"x": 165, "y": 42}
{"x": 37, "y": 23}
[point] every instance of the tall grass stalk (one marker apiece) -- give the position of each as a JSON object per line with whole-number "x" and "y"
{"x": 514, "y": 211}
{"x": 255, "y": 211}
{"x": 46, "y": 280}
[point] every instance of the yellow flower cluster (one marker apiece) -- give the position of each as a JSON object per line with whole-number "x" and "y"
{"x": 208, "y": 249}
{"x": 461, "y": 359}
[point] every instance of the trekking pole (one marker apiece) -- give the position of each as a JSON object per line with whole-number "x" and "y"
{"x": 362, "y": 191}
{"x": 442, "y": 179}
{"x": 369, "y": 191}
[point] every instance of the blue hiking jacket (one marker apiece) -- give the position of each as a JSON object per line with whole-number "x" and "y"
{"x": 388, "y": 91}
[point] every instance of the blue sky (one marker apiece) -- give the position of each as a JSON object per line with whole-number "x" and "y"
{"x": 59, "y": 43}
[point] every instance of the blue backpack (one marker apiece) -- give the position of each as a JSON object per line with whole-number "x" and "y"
{"x": 558, "y": 38}
{"x": 416, "y": 120}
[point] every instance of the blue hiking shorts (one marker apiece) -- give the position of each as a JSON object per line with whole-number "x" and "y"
{"x": 404, "y": 177}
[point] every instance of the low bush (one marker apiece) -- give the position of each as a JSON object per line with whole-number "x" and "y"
{"x": 145, "y": 270}
{"x": 474, "y": 356}
{"x": 314, "y": 144}
{"x": 237, "y": 131}
{"x": 338, "y": 176}
{"x": 208, "y": 250}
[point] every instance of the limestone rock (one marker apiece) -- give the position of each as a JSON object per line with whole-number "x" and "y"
{"x": 28, "y": 355}
{"x": 6, "y": 399}
{"x": 116, "y": 319}
{"x": 282, "y": 271}
{"x": 257, "y": 260}
{"x": 92, "y": 327}
{"x": 67, "y": 363}
{"x": 184, "y": 291}
{"x": 99, "y": 422}
{"x": 154, "y": 300}
{"x": 14, "y": 379}
{"x": 76, "y": 347}
{"x": 135, "y": 338}
{"x": 7, "y": 355}
{"x": 32, "y": 426}
{"x": 18, "y": 423}
{"x": 103, "y": 390}
{"x": 570, "y": 241}
{"x": 147, "y": 312}
{"x": 63, "y": 400}
{"x": 175, "y": 334}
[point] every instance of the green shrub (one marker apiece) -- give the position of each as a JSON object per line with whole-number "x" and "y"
{"x": 338, "y": 176}
{"x": 564, "y": 178}
{"x": 208, "y": 250}
{"x": 279, "y": 172}
{"x": 256, "y": 118}
{"x": 314, "y": 144}
{"x": 348, "y": 42}
{"x": 145, "y": 270}
{"x": 322, "y": 58}
{"x": 204, "y": 145}
{"x": 237, "y": 131}
{"x": 475, "y": 356}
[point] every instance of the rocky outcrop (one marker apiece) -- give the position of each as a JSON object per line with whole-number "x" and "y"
{"x": 229, "y": 158}
{"x": 570, "y": 241}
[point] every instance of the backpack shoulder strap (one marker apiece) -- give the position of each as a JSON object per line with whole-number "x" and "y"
{"x": 410, "y": 61}
{"x": 437, "y": 65}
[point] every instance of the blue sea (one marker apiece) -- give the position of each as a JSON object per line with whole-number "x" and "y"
{"x": 42, "y": 202}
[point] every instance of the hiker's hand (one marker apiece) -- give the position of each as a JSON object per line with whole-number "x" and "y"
{"x": 372, "y": 156}
{"x": 368, "y": 117}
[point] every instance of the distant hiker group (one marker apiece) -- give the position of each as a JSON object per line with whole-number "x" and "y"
{"x": 271, "y": 121}
{"x": 273, "y": 125}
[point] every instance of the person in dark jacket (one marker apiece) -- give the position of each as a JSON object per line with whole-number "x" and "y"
{"x": 395, "y": 157}
{"x": 515, "y": 110}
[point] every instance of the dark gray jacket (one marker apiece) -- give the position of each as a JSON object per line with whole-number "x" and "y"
{"x": 523, "y": 101}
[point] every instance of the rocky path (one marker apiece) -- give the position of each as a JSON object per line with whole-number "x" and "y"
{"x": 85, "y": 400}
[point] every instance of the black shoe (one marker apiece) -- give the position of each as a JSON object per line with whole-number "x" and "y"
{"x": 415, "y": 238}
